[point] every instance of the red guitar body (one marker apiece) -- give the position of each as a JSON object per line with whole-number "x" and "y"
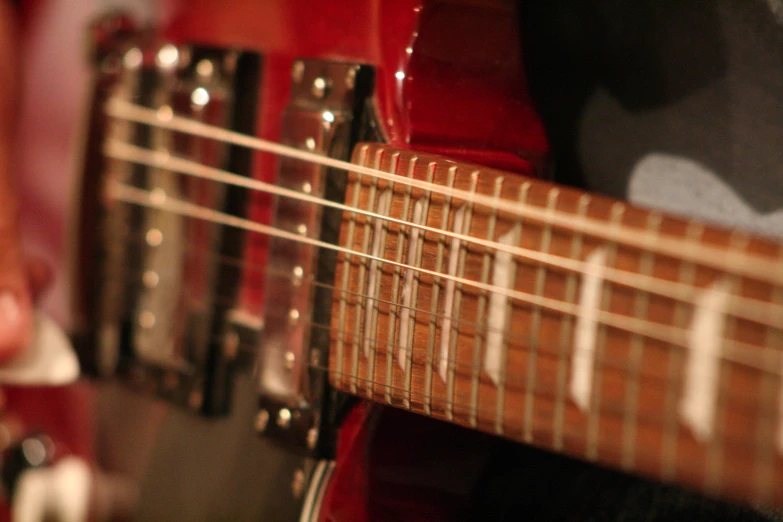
{"x": 450, "y": 80}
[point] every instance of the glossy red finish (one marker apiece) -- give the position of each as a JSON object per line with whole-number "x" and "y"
{"x": 449, "y": 78}
{"x": 396, "y": 467}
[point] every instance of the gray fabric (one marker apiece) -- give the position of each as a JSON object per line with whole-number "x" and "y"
{"x": 674, "y": 104}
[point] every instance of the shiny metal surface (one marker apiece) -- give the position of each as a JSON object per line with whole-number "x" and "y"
{"x": 320, "y": 118}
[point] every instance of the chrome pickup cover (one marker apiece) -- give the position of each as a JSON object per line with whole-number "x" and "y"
{"x": 326, "y": 115}
{"x": 157, "y": 288}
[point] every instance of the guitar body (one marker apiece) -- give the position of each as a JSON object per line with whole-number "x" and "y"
{"x": 449, "y": 80}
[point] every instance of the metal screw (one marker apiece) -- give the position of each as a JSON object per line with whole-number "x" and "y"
{"x": 205, "y": 68}
{"x": 284, "y": 418}
{"x": 298, "y": 274}
{"x": 312, "y": 438}
{"x": 167, "y": 57}
{"x": 320, "y": 88}
{"x": 262, "y": 420}
{"x": 290, "y": 359}
{"x": 350, "y": 78}
{"x": 298, "y": 483}
{"x": 293, "y": 317}
{"x": 297, "y": 72}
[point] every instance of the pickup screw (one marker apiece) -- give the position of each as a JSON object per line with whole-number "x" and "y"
{"x": 312, "y": 438}
{"x": 262, "y": 419}
{"x": 284, "y": 418}
{"x": 320, "y": 88}
{"x": 293, "y": 317}
{"x": 290, "y": 359}
{"x": 350, "y": 78}
{"x": 298, "y": 483}
{"x": 297, "y": 71}
{"x": 205, "y": 68}
{"x": 298, "y": 274}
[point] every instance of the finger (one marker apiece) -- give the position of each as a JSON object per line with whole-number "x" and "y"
{"x": 15, "y": 300}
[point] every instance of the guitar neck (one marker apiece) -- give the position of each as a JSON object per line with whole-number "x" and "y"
{"x": 565, "y": 320}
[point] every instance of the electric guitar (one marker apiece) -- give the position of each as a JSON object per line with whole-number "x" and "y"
{"x": 299, "y": 219}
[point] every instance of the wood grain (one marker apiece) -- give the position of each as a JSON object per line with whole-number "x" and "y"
{"x": 632, "y": 420}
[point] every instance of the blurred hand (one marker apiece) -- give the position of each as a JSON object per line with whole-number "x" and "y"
{"x": 19, "y": 279}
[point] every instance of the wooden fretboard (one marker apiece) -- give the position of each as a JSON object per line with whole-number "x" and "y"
{"x": 569, "y": 321}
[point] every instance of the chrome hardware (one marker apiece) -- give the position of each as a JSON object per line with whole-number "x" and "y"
{"x": 155, "y": 286}
{"x": 298, "y": 483}
{"x": 322, "y": 116}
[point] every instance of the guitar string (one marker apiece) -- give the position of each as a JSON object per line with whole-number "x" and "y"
{"x": 657, "y": 331}
{"x": 760, "y": 358}
{"x": 765, "y": 313}
{"x": 745, "y": 263}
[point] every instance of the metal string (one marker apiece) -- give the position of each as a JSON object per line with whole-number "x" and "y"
{"x": 743, "y": 263}
{"x": 765, "y": 313}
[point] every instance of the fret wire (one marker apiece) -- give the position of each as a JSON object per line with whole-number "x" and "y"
{"x": 378, "y": 232}
{"x": 747, "y": 308}
{"x": 360, "y": 321}
{"x": 347, "y": 268}
{"x": 415, "y": 290}
{"x": 769, "y": 417}
{"x": 535, "y": 321}
{"x": 436, "y": 287}
{"x": 455, "y": 311}
{"x": 713, "y": 257}
{"x": 636, "y": 349}
{"x": 481, "y": 332}
{"x": 566, "y": 333}
{"x": 593, "y": 417}
{"x": 371, "y": 322}
{"x": 393, "y": 310}
{"x": 687, "y": 273}
{"x": 715, "y": 446}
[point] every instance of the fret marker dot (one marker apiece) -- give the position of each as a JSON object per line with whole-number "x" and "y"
{"x": 293, "y": 317}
